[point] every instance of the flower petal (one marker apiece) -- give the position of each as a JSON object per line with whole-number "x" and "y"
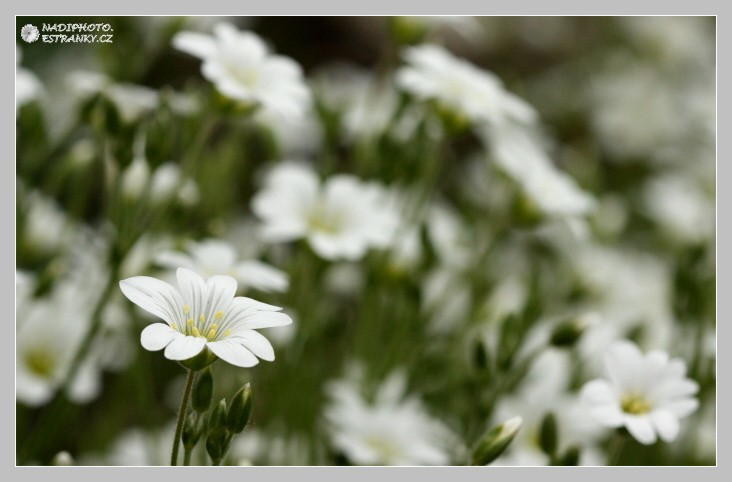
{"x": 256, "y": 343}
{"x": 233, "y": 352}
{"x": 153, "y": 295}
{"x": 173, "y": 260}
{"x": 157, "y": 336}
{"x": 184, "y": 347}
{"x": 265, "y": 319}
{"x": 682, "y": 408}
{"x": 622, "y": 361}
{"x": 261, "y": 276}
{"x": 193, "y": 290}
{"x": 666, "y": 424}
{"x": 640, "y": 428}
{"x": 196, "y": 44}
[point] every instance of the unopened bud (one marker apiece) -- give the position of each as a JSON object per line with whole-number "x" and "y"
{"x": 495, "y": 441}
{"x": 217, "y": 444}
{"x": 240, "y": 410}
{"x": 218, "y": 416}
{"x": 63, "y": 458}
{"x": 135, "y": 178}
{"x": 202, "y": 391}
{"x": 566, "y": 334}
{"x": 570, "y": 457}
{"x": 548, "y": 435}
{"x": 192, "y": 430}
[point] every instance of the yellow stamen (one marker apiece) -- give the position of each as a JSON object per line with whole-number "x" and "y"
{"x": 195, "y": 331}
{"x": 201, "y": 319}
{"x": 190, "y": 322}
{"x": 211, "y": 333}
{"x": 219, "y": 314}
{"x": 227, "y": 333}
{"x": 175, "y": 328}
{"x": 186, "y": 309}
{"x": 635, "y": 404}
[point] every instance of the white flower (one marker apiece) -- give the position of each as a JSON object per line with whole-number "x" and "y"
{"x": 519, "y": 154}
{"x": 545, "y": 390}
{"x": 434, "y": 73}
{"x": 681, "y": 206}
{"x": 241, "y": 67}
{"x": 47, "y": 227}
{"x": 342, "y": 218}
{"x": 131, "y": 100}
{"x": 216, "y": 257}
{"x": 204, "y": 317}
{"x": 49, "y": 333}
{"x": 27, "y": 85}
{"x": 392, "y": 431}
{"x": 647, "y": 394}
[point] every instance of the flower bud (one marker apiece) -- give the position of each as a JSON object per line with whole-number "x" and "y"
{"x": 240, "y": 410}
{"x": 495, "y": 441}
{"x": 570, "y": 457}
{"x": 62, "y": 458}
{"x": 202, "y": 391}
{"x": 192, "y": 430}
{"x": 218, "y": 417}
{"x": 566, "y": 334}
{"x": 548, "y": 435}
{"x": 217, "y": 445}
{"x": 135, "y": 178}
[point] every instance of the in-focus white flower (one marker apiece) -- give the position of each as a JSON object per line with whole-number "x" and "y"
{"x": 394, "y": 430}
{"x": 341, "y": 218}
{"x": 647, "y": 394}
{"x": 241, "y": 67}
{"x": 216, "y": 257}
{"x": 433, "y": 73}
{"x": 204, "y": 317}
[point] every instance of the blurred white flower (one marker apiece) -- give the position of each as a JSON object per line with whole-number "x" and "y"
{"x": 47, "y": 228}
{"x": 393, "y": 430}
{"x": 433, "y": 73}
{"x": 204, "y": 317}
{"x": 341, "y": 218}
{"x": 681, "y": 206}
{"x": 132, "y": 101}
{"x": 518, "y": 153}
{"x": 136, "y": 447}
{"x": 217, "y": 257}
{"x": 677, "y": 40}
{"x": 27, "y": 85}
{"x": 450, "y": 236}
{"x": 629, "y": 289}
{"x": 545, "y": 390}
{"x": 241, "y": 67}
{"x": 45, "y": 350}
{"x": 647, "y": 394}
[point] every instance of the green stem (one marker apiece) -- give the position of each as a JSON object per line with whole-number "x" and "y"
{"x": 616, "y": 448}
{"x": 187, "y": 456}
{"x": 95, "y": 325}
{"x": 181, "y": 417}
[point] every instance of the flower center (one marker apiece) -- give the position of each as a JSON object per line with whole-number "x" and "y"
{"x": 40, "y": 362}
{"x": 386, "y": 450}
{"x": 635, "y": 404}
{"x": 322, "y": 219}
{"x": 247, "y": 75}
{"x": 200, "y": 326}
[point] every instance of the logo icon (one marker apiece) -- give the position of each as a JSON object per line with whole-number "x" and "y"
{"x": 29, "y": 33}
